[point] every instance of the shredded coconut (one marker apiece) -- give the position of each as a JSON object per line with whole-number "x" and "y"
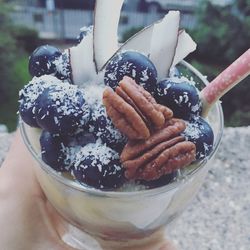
{"x": 29, "y": 94}
{"x": 98, "y": 152}
{"x": 63, "y": 65}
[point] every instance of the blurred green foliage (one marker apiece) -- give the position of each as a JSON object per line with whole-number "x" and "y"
{"x": 222, "y": 35}
{"x": 8, "y": 108}
{"x": 7, "y": 52}
{"x": 26, "y": 38}
{"x": 244, "y": 7}
{"x": 15, "y": 42}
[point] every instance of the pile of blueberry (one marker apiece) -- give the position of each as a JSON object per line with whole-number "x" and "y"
{"x": 71, "y": 131}
{"x": 78, "y": 137}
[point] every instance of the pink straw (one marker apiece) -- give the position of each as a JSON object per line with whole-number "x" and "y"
{"x": 226, "y": 80}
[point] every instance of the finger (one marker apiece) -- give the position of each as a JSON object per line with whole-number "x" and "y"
{"x": 17, "y": 151}
{"x": 17, "y": 172}
{"x": 23, "y": 204}
{"x": 167, "y": 245}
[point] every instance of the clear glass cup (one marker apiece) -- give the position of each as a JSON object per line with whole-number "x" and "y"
{"x": 119, "y": 219}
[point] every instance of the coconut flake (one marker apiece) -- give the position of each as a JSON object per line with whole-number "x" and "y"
{"x": 98, "y": 152}
{"x": 185, "y": 46}
{"x": 93, "y": 94}
{"x": 29, "y": 94}
{"x": 193, "y": 130}
{"x": 82, "y": 61}
{"x": 164, "y": 42}
{"x": 63, "y": 65}
{"x": 65, "y": 98}
{"x": 106, "y": 20}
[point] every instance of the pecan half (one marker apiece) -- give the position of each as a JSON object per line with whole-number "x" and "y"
{"x": 133, "y": 110}
{"x": 163, "y": 152}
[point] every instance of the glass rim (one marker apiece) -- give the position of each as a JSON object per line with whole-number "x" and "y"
{"x": 117, "y": 193}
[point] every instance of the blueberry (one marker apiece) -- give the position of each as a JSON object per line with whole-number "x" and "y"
{"x": 80, "y": 138}
{"x": 102, "y": 127}
{"x": 80, "y": 36}
{"x": 132, "y": 64}
{"x": 201, "y": 134}
{"x": 27, "y": 100}
{"x": 59, "y": 151}
{"x": 180, "y": 96}
{"x": 53, "y": 151}
{"x": 163, "y": 180}
{"x": 41, "y": 60}
{"x": 28, "y": 96}
{"x": 62, "y": 109}
{"x": 48, "y": 60}
{"x": 84, "y": 32}
{"x": 98, "y": 166}
{"x": 63, "y": 67}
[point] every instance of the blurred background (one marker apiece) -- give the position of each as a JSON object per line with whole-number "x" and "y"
{"x": 220, "y": 28}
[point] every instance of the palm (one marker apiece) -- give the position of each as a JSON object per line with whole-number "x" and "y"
{"x": 25, "y": 214}
{"x": 28, "y": 220}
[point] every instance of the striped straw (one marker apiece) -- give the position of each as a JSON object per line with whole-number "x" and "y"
{"x": 226, "y": 80}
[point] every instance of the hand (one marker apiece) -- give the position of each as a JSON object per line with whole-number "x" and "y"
{"x": 27, "y": 219}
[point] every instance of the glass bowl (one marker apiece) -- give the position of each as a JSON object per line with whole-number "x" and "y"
{"x": 122, "y": 218}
